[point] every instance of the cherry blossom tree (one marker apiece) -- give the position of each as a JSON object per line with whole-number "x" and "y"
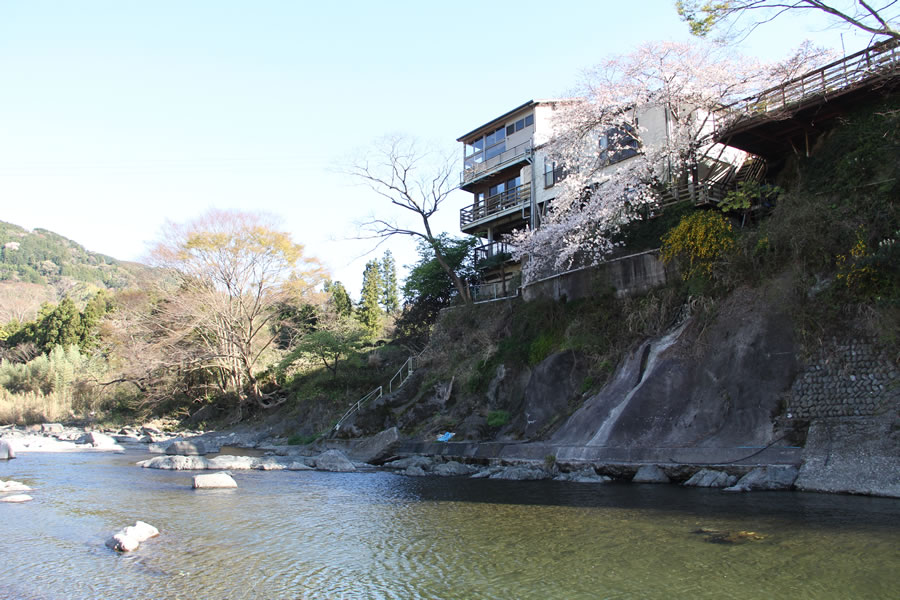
{"x": 615, "y": 164}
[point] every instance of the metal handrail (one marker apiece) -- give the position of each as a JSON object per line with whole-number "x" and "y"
{"x": 379, "y": 391}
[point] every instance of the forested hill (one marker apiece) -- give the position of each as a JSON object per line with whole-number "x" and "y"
{"x": 40, "y": 265}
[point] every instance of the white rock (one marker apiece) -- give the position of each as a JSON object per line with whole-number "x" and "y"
{"x": 176, "y": 463}
{"x": 17, "y": 498}
{"x": 214, "y": 480}
{"x": 129, "y": 538}
{"x": 6, "y": 450}
{"x": 233, "y": 462}
{"x": 13, "y": 486}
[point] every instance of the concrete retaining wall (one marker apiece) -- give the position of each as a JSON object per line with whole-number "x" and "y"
{"x": 628, "y": 275}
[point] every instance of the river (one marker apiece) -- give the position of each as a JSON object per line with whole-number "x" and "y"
{"x": 379, "y": 535}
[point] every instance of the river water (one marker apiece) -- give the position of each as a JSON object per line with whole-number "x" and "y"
{"x": 380, "y": 535}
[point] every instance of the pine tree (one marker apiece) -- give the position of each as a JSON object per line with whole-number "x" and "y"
{"x": 339, "y": 298}
{"x": 369, "y": 311}
{"x": 390, "y": 294}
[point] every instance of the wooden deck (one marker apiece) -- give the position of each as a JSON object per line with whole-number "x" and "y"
{"x": 758, "y": 123}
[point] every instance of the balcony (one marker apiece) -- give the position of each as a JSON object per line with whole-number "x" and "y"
{"x": 492, "y": 254}
{"x": 517, "y": 197}
{"x": 499, "y": 161}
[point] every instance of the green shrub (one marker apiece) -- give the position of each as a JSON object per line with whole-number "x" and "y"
{"x": 497, "y": 418}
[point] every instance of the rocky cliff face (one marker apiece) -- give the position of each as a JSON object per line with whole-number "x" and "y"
{"x": 716, "y": 384}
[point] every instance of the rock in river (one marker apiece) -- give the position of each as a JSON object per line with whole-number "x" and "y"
{"x": 186, "y": 448}
{"x": 129, "y": 538}
{"x": 333, "y": 460}
{"x": 650, "y": 474}
{"x": 16, "y": 498}
{"x": 6, "y": 450}
{"x": 214, "y": 480}
{"x": 711, "y": 479}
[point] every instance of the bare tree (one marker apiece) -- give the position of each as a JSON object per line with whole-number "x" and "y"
{"x": 232, "y": 270}
{"x": 416, "y": 180}
{"x": 740, "y": 17}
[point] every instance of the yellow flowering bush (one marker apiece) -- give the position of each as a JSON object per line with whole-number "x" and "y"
{"x": 698, "y": 244}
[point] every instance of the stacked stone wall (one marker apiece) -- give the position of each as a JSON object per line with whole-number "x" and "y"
{"x": 845, "y": 379}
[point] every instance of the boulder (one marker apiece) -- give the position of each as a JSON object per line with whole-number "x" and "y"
{"x": 586, "y": 475}
{"x": 176, "y": 463}
{"x": 415, "y": 471}
{"x": 13, "y": 486}
{"x": 710, "y": 478}
{"x": 233, "y": 462}
{"x": 6, "y": 450}
{"x": 214, "y": 480}
{"x": 453, "y": 469}
{"x": 521, "y": 474}
{"x": 297, "y": 466}
{"x": 17, "y": 498}
{"x": 422, "y": 462}
{"x": 150, "y": 430}
{"x": 650, "y": 474}
{"x": 333, "y": 460}
{"x": 51, "y": 428}
{"x": 101, "y": 441}
{"x": 773, "y": 477}
{"x": 486, "y": 473}
{"x": 377, "y": 448}
{"x": 186, "y": 448}
{"x": 129, "y": 538}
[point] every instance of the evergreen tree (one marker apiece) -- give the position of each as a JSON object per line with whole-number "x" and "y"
{"x": 390, "y": 294}
{"x": 339, "y": 298}
{"x": 369, "y": 311}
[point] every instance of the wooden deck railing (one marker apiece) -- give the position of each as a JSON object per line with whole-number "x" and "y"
{"x": 839, "y": 77}
{"x": 517, "y": 197}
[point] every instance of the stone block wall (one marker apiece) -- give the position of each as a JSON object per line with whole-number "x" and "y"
{"x": 845, "y": 379}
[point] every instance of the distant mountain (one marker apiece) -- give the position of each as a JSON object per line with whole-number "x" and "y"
{"x": 40, "y": 266}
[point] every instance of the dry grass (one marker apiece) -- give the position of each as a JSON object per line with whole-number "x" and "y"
{"x": 34, "y": 407}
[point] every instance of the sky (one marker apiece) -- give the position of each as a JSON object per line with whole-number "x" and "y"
{"x": 118, "y": 115}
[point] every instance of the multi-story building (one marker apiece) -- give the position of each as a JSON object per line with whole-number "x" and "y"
{"x": 505, "y": 171}
{"x": 512, "y": 179}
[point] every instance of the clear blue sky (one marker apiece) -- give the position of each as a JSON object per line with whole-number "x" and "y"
{"x": 117, "y": 115}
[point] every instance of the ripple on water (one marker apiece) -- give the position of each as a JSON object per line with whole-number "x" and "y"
{"x": 325, "y": 535}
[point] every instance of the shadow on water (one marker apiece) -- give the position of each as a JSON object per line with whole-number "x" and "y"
{"x": 814, "y": 509}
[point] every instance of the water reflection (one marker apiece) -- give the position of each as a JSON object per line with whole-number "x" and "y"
{"x": 379, "y": 535}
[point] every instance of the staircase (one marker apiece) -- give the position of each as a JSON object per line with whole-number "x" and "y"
{"x": 396, "y": 382}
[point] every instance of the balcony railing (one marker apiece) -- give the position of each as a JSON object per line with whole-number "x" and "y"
{"x": 518, "y": 197}
{"x": 838, "y": 77}
{"x": 509, "y": 156}
{"x": 492, "y": 253}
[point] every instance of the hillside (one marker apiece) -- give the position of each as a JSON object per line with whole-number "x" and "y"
{"x": 41, "y": 266}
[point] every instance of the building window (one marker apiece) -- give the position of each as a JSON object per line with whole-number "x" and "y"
{"x": 618, "y": 144}
{"x": 486, "y": 147}
{"x": 520, "y": 124}
{"x": 553, "y": 173}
